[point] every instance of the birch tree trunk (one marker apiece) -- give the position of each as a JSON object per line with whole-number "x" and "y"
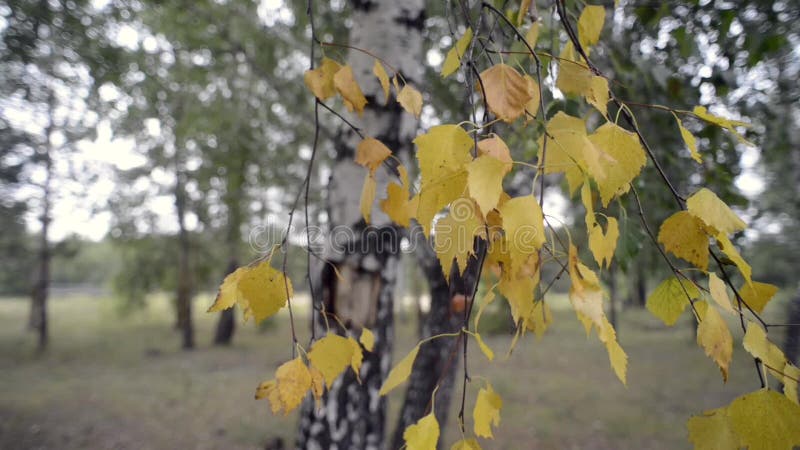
{"x": 353, "y": 415}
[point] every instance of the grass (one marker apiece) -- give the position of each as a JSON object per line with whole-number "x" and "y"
{"x": 111, "y": 382}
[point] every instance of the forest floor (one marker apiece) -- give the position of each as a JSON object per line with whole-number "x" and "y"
{"x": 122, "y": 382}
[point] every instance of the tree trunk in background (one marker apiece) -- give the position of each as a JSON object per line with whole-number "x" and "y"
{"x": 38, "y": 317}
{"x": 353, "y": 415}
{"x": 792, "y": 344}
{"x": 226, "y": 324}
{"x": 184, "y": 288}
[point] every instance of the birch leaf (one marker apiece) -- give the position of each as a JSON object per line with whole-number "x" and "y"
{"x": 668, "y": 300}
{"x": 367, "y": 339}
{"x": 293, "y": 382}
{"x": 487, "y": 351}
{"x": 603, "y": 244}
{"x": 590, "y": 25}
{"x": 715, "y": 338}
{"x": 485, "y": 181}
{"x": 756, "y": 343}
{"x": 713, "y": 431}
{"x": 320, "y": 80}
{"x": 719, "y": 292}
{"x": 383, "y": 78}
{"x": 466, "y": 444}
{"x": 261, "y": 290}
{"x": 495, "y": 147}
{"x": 400, "y": 372}
{"x": 532, "y": 35}
{"x": 486, "y": 413}
{"x": 730, "y": 125}
{"x": 766, "y": 420}
{"x": 368, "y": 197}
{"x": 706, "y": 206}
{"x": 626, "y": 160}
{"x": 757, "y": 295}
{"x": 690, "y": 141}
{"x": 346, "y": 85}
{"x": 453, "y": 59}
{"x": 423, "y": 435}
{"x": 331, "y": 355}
{"x": 506, "y": 91}
{"x": 371, "y": 153}
{"x": 682, "y": 234}
{"x": 411, "y": 100}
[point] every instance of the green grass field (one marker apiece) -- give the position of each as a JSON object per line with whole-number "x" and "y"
{"x": 111, "y": 382}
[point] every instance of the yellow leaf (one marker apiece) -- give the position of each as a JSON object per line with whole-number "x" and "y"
{"x": 573, "y": 77}
{"x": 443, "y": 150}
{"x": 263, "y": 390}
{"x": 588, "y": 204}
{"x": 485, "y": 181}
{"x": 603, "y": 244}
{"x": 730, "y": 125}
{"x": 331, "y": 355}
{"x": 436, "y": 196}
{"x": 506, "y": 91}
{"x": 346, "y": 85}
{"x": 682, "y": 234}
{"x": 383, "y": 78}
{"x": 400, "y": 372}
{"x": 453, "y": 58}
{"x": 618, "y": 360}
{"x": 757, "y": 294}
{"x": 411, "y": 100}
{"x": 371, "y": 153}
{"x": 713, "y": 431}
{"x": 626, "y": 160}
{"x": 532, "y": 35}
{"x": 706, "y": 206}
{"x": 320, "y": 80}
{"x": 317, "y": 384}
{"x": 532, "y": 107}
{"x": 565, "y": 148}
{"x": 523, "y": 223}
{"x": 487, "y": 351}
{"x": 423, "y": 435}
{"x": 357, "y": 358}
{"x": 367, "y": 339}
{"x": 756, "y": 343}
{"x": 368, "y": 197}
{"x": 495, "y": 147}
{"x": 590, "y": 25}
{"x": 715, "y": 338}
{"x": 466, "y": 444}
{"x": 260, "y": 290}
{"x": 719, "y": 292}
{"x": 765, "y": 420}
{"x": 668, "y": 300}
{"x": 486, "y": 413}
{"x": 293, "y": 382}
{"x": 790, "y": 377}
{"x": 598, "y": 94}
{"x": 730, "y": 251}
{"x": 540, "y": 318}
{"x": 523, "y": 10}
{"x": 519, "y": 293}
{"x": 455, "y": 235}
{"x": 690, "y": 141}
{"x": 397, "y": 204}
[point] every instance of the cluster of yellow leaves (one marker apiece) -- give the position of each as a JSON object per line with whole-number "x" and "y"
{"x": 332, "y": 78}
{"x": 760, "y": 420}
{"x": 669, "y": 300}
{"x": 686, "y": 234}
{"x": 328, "y": 358}
{"x": 259, "y": 290}
{"x": 586, "y": 296}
